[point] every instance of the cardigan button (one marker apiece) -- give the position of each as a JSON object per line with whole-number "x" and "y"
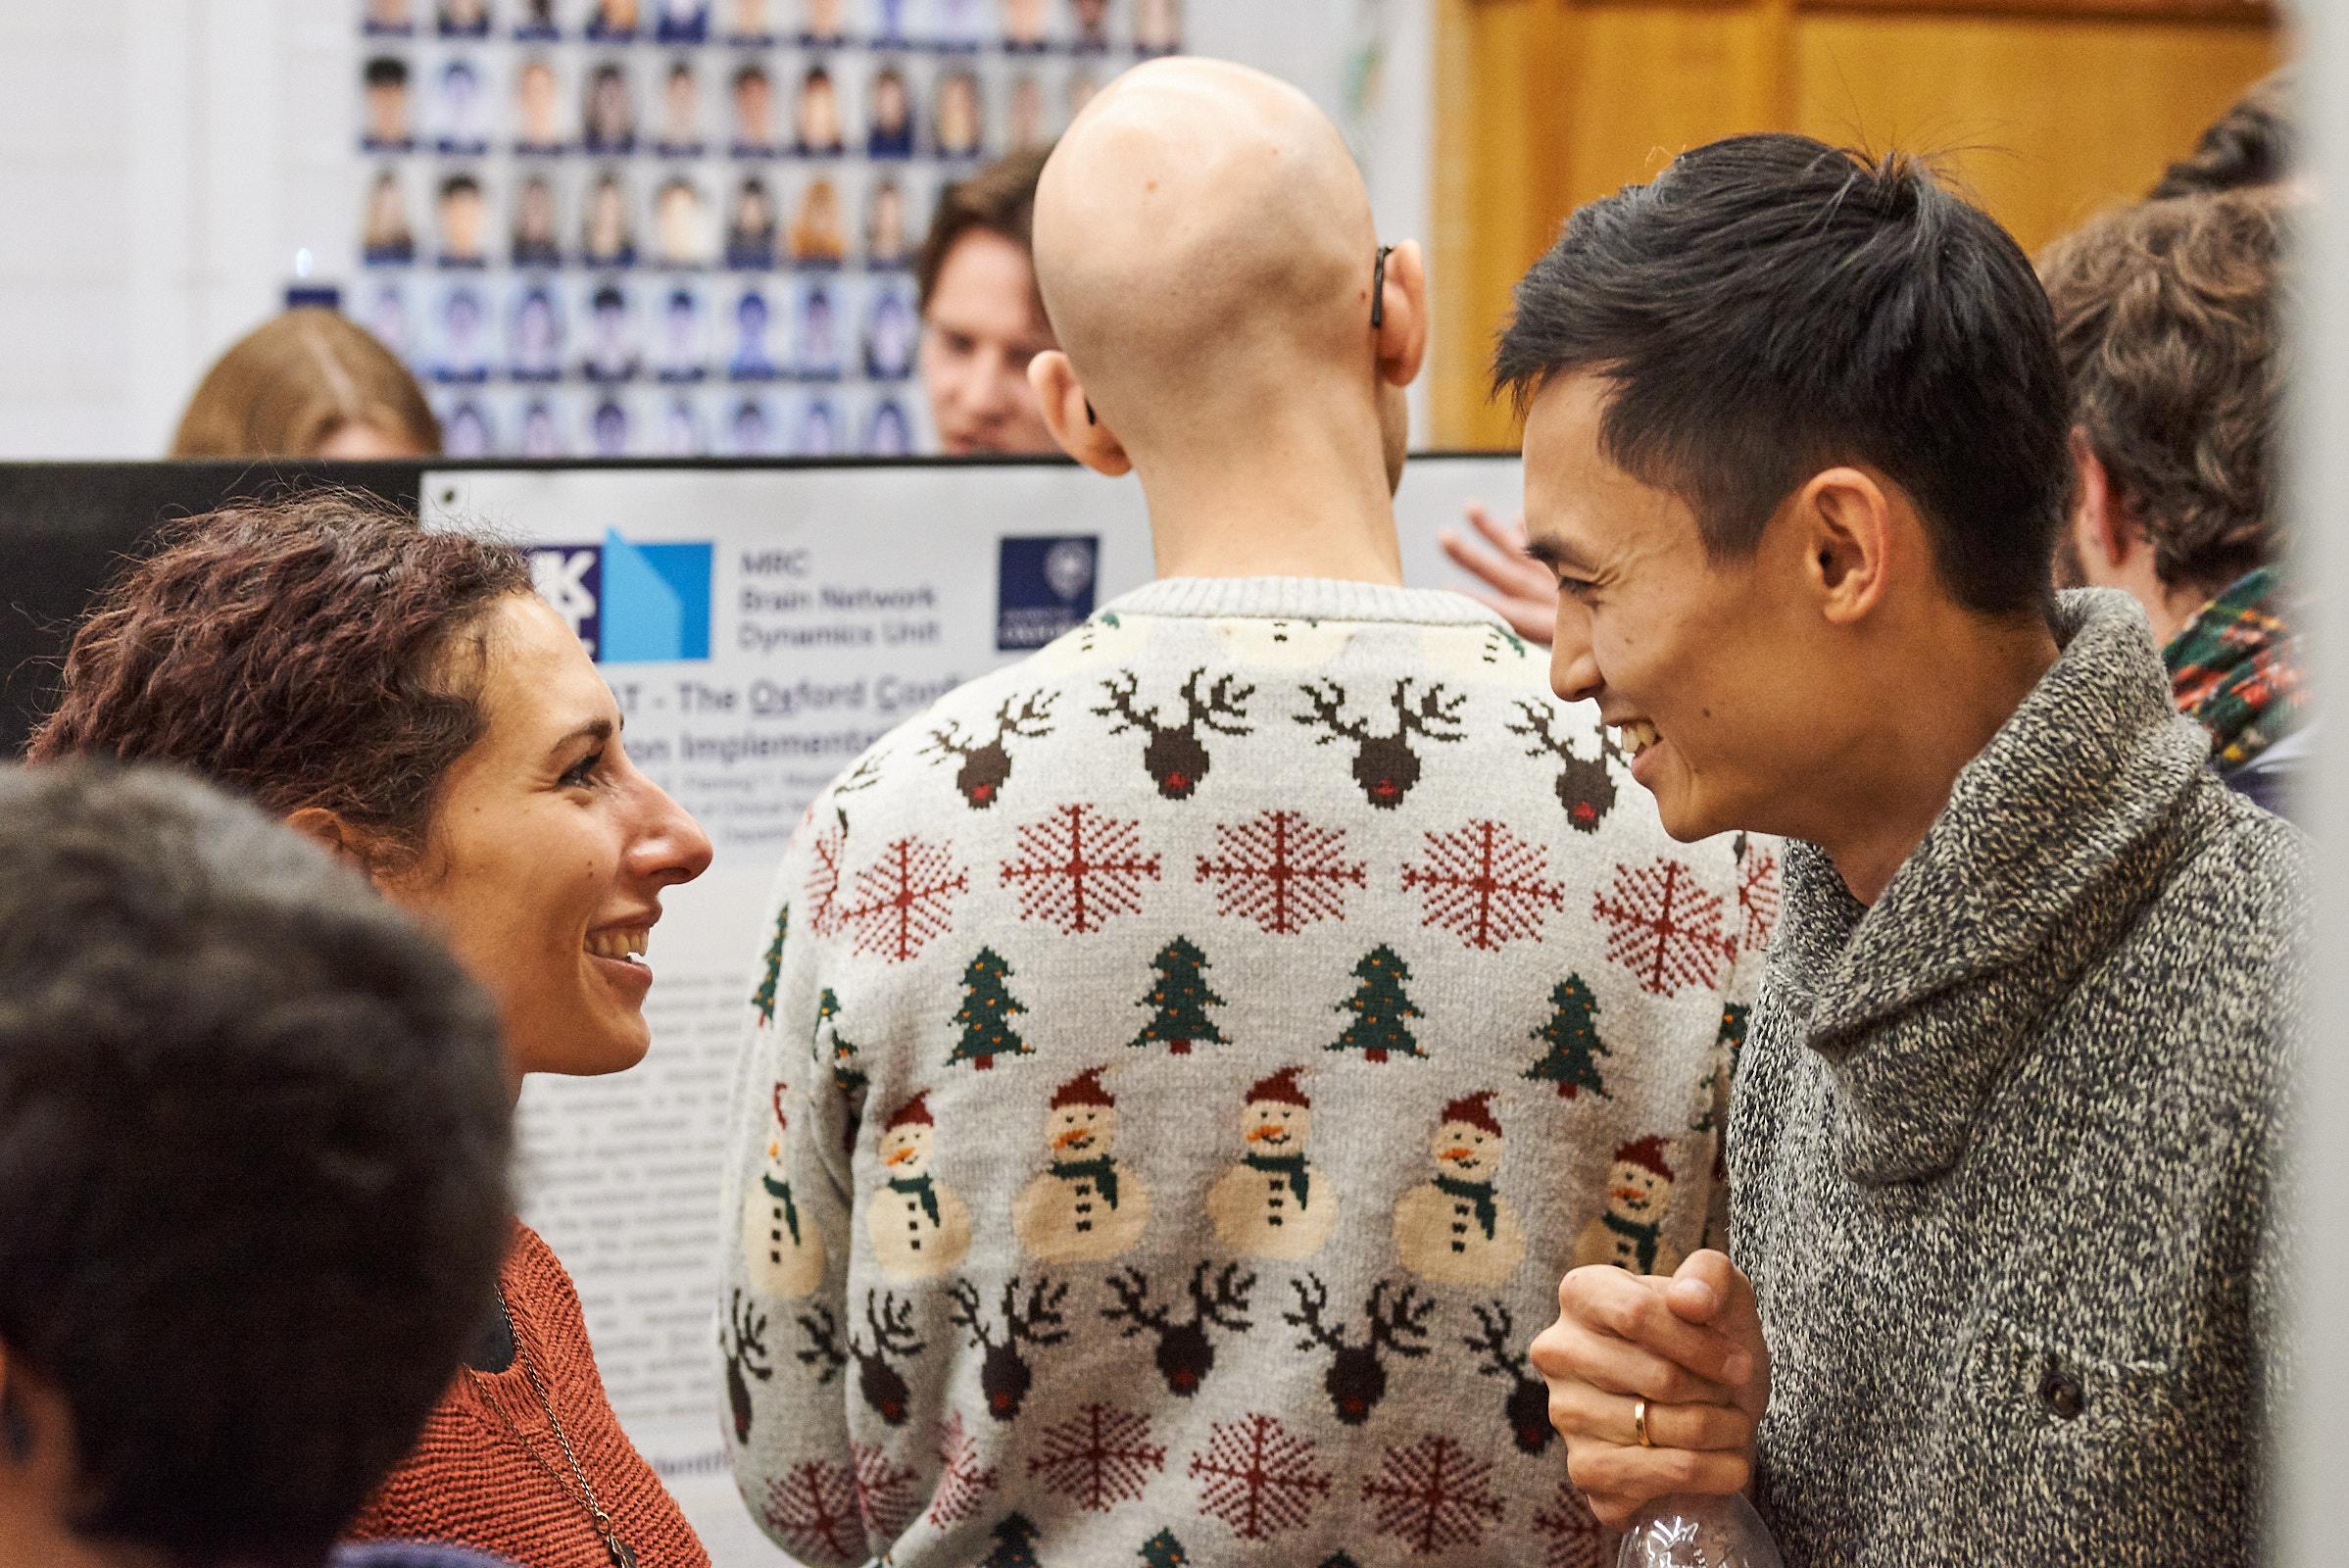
{"x": 2061, "y": 1393}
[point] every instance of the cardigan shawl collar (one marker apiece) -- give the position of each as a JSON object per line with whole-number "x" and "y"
{"x": 2053, "y": 840}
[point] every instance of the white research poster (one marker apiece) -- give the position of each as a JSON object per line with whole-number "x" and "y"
{"x": 761, "y": 626}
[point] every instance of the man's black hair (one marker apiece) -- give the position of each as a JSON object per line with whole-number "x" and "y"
{"x": 459, "y": 184}
{"x": 754, "y": 72}
{"x": 254, "y": 1127}
{"x": 386, "y": 71}
{"x": 1770, "y": 306}
{"x": 608, "y": 297}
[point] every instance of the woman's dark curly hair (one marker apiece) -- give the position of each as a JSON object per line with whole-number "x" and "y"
{"x": 303, "y": 652}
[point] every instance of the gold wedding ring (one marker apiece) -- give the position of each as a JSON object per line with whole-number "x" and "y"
{"x": 1640, "y": 1423}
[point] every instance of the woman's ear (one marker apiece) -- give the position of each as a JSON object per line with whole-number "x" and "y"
{"x": 333, "y": 834}
{"x": 1069, "y": 414}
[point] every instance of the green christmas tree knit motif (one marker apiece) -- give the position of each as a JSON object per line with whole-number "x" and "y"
{"x": 985, "y": 1018}
{"x": 1575, "y": 1048}
{"x": 1380, "y": 1006}
{"x": 1014, "y": 1544}
{"x": 1181, "y": 999}
{"x": 847, "y": 1076}
{"x": 1162, "y": 1551}
{"x": 764, "y": 999}
{"x": 1732, "y": 1039}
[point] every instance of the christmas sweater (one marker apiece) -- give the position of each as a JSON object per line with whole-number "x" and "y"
{"x": 1184, "y": 1063}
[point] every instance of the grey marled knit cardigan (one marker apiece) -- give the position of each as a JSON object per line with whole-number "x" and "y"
{"x": 2004, "y": 1147}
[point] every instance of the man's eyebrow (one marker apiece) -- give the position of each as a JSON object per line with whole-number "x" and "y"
{"x": 599, "y": 730}
{"x": 1554, "y": 553}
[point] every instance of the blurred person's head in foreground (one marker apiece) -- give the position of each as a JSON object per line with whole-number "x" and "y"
{"x": 309, "y": 384}
{"x": 2256, "y": 142}
{"x": 982, "y": 318}
{"x": 254, "y": 1127}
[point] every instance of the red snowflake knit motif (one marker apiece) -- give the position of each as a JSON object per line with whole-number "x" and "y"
{"x": 1571, "y": 1534}
{"x": 1484, "y": 885}
{"x": 823, "y": 880}
{"x": 1664, "y": 927}
{"x": 962, "y": 1485}
{"x": 1758, "y": 890}
{"x": 811, "y": 1508}
{"x": 1098, "y": 1457}
{"x": 886, "y": 1498}
{"x": 1431, "y": 1496}
{"x": 1258, "y": 1477}
{"x": 1281, "y": 871}
{"x": 1077, "y": 868}
{"x": 903, "y": 900}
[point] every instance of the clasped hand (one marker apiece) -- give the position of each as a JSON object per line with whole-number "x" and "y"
{"x": 1692, "y": 1346}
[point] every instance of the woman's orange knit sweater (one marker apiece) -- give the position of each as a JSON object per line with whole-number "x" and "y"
{"x": 470, "y": 1480}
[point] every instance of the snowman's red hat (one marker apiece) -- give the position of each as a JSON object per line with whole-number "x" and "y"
{"x": 1647, "y": 1153}
{"x": 1280, "y": 1090}
{"x": 1085, "y": 1089}
{"x": 781, "y": 1120}
{"x": 914, "y": 1112}
{"x": 1474, "y": 1110}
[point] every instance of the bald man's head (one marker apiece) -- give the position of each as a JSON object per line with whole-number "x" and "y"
{"x": 1203, "y": 242}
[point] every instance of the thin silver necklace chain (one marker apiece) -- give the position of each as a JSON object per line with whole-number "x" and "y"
{"x": 622, "y": 1554}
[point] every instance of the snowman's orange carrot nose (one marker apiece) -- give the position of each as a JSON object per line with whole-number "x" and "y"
{"x": 1268, "y": 1129}
{"x": 1075, "y": 1135}
{"x": 898, "y": 1156}
{"x": 1626, "y": 1195}
{"x": 1456, "y": 1153}
{"x": 772, "y": 1149}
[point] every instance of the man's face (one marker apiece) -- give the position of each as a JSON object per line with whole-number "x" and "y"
{"x": 1737, "y": 709}
{"x": 461, "y": 222}
{"x": 537, "y": 93}
{"x": 982, "y": 328}
{"x": 387, "y": 111}
{"x": 755, "y": 111}
{"x": 684, "y": 104}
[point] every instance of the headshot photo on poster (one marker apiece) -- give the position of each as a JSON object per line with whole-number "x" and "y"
{"x": 751, "y": 429}
{"x": 1157, "y": 27}
{"x": 817, "y": 347}
{"x": 462, "y": 116}
{"x": 751, "y": 226}
{"x": 681, "y": 22}
{"x": 613, "y": 20}
{"x": 385, "y": 127}
{"x": 534, "y": 334}
{"x": 962, "y": 23}
{"x": 819, "y": 428}
{"x": 541, "y": 436}
{"x": 608, "y": 115}
{"x": 956, "y": 123}
{"x": 751, "y": 356}
{"x": 462, "y": 212}
{"x": 1024, "y": 24}
{"x": 891, "y": 134}
{"x": 754, "y": 95}
{"x": 1092, "y": 20}
{"x": 535, "y": 21}
{"x": 889, "y": 22}
{"x": 388, "y": 19}
{"x": 682, "y": 433}
{"x": 887, "y": 432}
{"x": 823, "y": 23}
{"x": 610, "y": 428}
{"x": 610, "y": 354}
{"x": 680, "y": 112}
{"x": 1024, "y": 128}
{"x": 463, "y": 350}
{"x": 750, "y": 22}
{"x": 681, "y": 350}
{"x": 385, "y": 237}
{"x": 819, "y": 236}
{"x": 608, "y": 234}
{"x": 681, "y": 223}
{"x": 464, "y": 431}
{"x": 537, "y": 240}
{"x": 821, "y": 132}
{"x": 889, "y": 333}
{"x": 387, "y": 317}
{"x": 538, "y": 119}
{"x": 465, "y": 18}
{"x": 885, "y": 236}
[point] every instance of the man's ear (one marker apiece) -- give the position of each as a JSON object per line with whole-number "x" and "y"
{"x": 1402, "y": 333}
{"x": 1844, "y": 517}
{"x": 2101, "y": 525}
{"x": 1071, "y": 419}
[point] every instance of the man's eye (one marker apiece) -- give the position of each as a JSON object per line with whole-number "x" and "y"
{"x": 956, "y": 343}
{"x": 1576, "y": 587}
{"x": 580, "y": 774}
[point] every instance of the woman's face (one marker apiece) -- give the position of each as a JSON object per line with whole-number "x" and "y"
{"x": 608, "y": 109}
{"x": 607, "y": 220}
{"x": 549, "y": 851}
{"x": 386, "y": 221}
{"x": 537, "y": 220}
{"x": 890, "y": 109}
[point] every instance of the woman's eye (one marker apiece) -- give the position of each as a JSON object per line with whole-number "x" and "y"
{"x": 582, "y": 772}
{"x": 1576, "y": 587}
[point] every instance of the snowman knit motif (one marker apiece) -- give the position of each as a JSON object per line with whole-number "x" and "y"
{"x": 1195, "y": 1052}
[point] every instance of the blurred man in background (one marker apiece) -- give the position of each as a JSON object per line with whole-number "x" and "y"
{"x": 982, "y": 318}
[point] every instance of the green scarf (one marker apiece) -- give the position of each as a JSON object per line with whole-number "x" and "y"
{"x": 1644, "y": 1238}
{"x": 1488, "y": 1212}
{"x": 1291, "y": 1166}
{"x": 1102, "y": 1171}
{"x": 921, "y": 1184}
{"x": 781, "y": 1192}
{"x": 2235, "y": 669}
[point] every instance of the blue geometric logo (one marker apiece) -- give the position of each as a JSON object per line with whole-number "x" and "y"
{"x": 630, "y": 604}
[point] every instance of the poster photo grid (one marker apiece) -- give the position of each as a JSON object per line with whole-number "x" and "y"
{"x": 687, "y": 228}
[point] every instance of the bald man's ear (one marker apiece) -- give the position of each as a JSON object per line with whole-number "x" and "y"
{"x": 1071, "y": 419}
{"x": 1402, "y": 338}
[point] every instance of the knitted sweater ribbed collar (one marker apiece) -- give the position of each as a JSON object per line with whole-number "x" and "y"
{"x": 1302, "y": 598}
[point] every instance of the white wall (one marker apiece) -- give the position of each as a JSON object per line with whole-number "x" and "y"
{"x": 163, "y": 162}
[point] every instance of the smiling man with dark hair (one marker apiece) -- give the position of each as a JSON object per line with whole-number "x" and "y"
{"x": 2003, "y": 1139}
